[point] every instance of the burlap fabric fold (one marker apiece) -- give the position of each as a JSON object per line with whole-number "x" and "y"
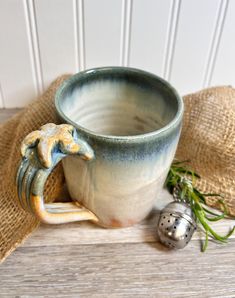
{"x": 208, "y": 140}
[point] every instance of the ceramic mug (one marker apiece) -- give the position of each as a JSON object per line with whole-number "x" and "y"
{"x": 121, "y": 133}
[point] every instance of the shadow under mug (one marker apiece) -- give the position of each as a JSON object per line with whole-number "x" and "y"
{"x": 121, "y": 133}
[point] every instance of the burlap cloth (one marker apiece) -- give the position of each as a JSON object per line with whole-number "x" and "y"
{"x": 208, "y": 140}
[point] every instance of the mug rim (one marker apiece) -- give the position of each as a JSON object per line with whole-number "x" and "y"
{"x": 158, "y": 132}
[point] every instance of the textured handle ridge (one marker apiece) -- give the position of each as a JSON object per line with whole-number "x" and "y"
{"x": 41, "y": 151}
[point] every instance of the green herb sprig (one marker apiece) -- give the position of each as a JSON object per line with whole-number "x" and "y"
{"x": 181, "y": 183}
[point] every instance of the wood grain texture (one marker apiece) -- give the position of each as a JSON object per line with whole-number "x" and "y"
{"x": 83, "y": 260}
{"x": 119, "y": 270}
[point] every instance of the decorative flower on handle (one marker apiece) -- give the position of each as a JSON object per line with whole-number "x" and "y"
{"x": 51, "y": 135}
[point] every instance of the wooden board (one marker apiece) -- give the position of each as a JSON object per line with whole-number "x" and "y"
{"x": 83, "y": 260}
{"x": 118, "y": 270}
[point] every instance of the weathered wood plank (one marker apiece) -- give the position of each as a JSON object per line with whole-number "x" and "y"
{"x": 86, "y": 233}
{"x": 120, "y": 270}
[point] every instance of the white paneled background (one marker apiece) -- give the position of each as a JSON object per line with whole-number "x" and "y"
{"x": 191, "y": 43}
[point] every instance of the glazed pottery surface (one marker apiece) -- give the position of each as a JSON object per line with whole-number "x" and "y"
{"x": 132, "y": 120}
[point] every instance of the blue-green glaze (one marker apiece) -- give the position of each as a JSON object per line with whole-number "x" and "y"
{"x": 122, "y": 182}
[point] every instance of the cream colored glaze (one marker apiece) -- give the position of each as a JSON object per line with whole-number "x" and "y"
{"x": 119, "y": 193}
{"x": 116, "y": 108}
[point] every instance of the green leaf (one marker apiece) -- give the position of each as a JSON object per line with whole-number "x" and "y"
{"x": 185, "y": 171}
{"x": 230, "y": 232}
{"x": 212, "y": 195}
{"x": 216, "y": 218}
{"x": 200, "y": 195}
{"x": 211, "y": 231}
{"x": 204, "y": 247}
{"x": 184, "y": 179}
{"x": 210, "y": 212}
{"x": 178, "y": 162}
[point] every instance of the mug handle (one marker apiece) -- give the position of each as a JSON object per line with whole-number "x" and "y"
{"x": 41, "y": 151}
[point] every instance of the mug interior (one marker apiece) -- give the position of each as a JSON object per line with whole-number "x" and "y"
{"x": 118, "y": 101}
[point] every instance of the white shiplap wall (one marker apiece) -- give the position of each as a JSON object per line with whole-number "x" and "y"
{"x": 191, "y": 43}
